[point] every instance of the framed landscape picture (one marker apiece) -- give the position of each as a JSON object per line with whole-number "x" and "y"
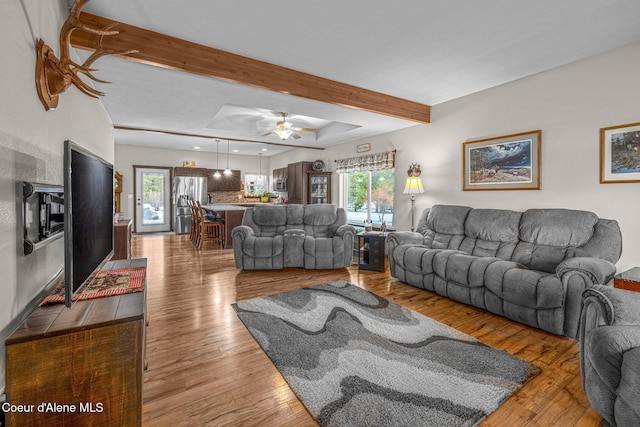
{"x": 620, "y": 154}
{"x": 510, "y": 162}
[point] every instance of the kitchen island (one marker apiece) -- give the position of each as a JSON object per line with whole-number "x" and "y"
{"x": 232, "y": 216}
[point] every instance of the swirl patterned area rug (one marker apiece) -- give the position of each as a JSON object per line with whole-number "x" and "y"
{"x": 357, "y": 359}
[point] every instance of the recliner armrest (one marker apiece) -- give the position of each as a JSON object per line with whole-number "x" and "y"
{"x": 397, "y": 238}
{"x": 242, "y": 232}
{"x": 617, "y": 306}
{"x": 603, "y": 306}
{"x": 344, "y": 229}
{"x": 593, "y": 271}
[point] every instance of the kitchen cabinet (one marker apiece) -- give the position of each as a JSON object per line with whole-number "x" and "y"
{"x": 280, "y": 173}
{"x": 225, "y": 182}
{"x": 280, "y": 179}
{"x": 297, "y": 182}
{"x": 319, "y": 190}
{"x": 182, "y": 171}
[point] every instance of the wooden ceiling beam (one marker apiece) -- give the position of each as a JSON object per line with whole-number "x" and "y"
{"x": 173, "y": 53}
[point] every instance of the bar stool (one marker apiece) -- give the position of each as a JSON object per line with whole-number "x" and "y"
{"x": 208, "y": 231}
{"x": 194, "y": 222}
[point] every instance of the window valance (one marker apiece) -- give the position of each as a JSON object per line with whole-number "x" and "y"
{"x": 369, "y": 162}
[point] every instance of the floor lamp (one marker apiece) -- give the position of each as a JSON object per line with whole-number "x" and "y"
{"x": 413, "y": 186}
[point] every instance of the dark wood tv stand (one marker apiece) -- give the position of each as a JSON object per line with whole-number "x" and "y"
{"x": 89, "y": 357}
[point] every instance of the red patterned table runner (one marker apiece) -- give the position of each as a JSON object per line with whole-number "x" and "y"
{"x": 105, "y": 284}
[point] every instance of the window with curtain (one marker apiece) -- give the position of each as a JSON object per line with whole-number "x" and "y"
{"x": 369, "y": 183}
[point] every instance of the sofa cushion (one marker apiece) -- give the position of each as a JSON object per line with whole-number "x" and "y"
{"x": 320, "y": 214}
{"x": 557, "y": 227}
{"x": 445, "y": 227}
{"x": 447, "y": 219}
{"x": 496, "y": 225}
{"x": 462, "y": 269}
{"x": 323, "y": 252}
{"x": 295, "y": 216}
{"x": 539, "y": 257}
{"x": 549, "y": 236}
{"x": 263, "y": 247}
{"x": 491, "y": 232}
{"x": 270, "y": 215}
{"x": 525, "y": 288}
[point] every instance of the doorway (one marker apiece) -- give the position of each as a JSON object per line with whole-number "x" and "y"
{"x": 152, "y": 193}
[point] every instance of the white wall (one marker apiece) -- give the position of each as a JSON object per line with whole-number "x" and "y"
{"x": 126, "y": 156}
{"x": 569, "y": 104}
{"x": 31, "y": 149}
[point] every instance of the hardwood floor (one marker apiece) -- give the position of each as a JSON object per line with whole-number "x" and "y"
{"x": 206, "y": 369}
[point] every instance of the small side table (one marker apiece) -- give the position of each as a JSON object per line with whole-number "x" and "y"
{"x": 371, "y": 251}
{"x": 629, "y": 280}
{"x": 122, "y": 240}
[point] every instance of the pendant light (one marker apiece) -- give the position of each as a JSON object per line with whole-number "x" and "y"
{"x": 227, "y": 171}
{"x": 260, "y": 168}
{"x": 217, "y": 175}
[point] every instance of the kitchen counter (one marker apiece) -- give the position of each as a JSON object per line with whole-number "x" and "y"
{"x": 223, "y": 207}
{"x": 234, "y": 206}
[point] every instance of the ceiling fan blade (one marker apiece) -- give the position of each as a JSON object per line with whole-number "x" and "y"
{"x": 267, "y": 134}
{"x": 307, "y": 129}
{"x": 295, "y": 136}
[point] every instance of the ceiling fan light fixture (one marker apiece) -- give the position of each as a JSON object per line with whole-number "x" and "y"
{"x": 283, "y": 130}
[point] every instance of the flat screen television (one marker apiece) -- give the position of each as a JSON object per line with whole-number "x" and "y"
{"x": 88, "y": 216}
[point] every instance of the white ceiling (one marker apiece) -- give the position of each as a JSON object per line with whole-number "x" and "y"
{"x": 428, "y": 51}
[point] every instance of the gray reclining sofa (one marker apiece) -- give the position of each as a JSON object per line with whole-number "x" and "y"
{"x": 531, "y": 267}
{"x": 273, "y": 237}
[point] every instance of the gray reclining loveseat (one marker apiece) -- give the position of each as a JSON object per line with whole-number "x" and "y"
{"x": 531, "y": 266}
{"x": 273, "y": 237}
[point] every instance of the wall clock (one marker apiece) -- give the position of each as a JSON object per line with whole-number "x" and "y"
{"x": 318, "y": 165}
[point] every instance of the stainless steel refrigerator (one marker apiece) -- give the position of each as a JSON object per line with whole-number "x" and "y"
{"x": 186, "y": 188}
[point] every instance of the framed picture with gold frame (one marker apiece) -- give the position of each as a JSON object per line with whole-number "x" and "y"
{"x": 620, "y": 154}
{"x": 510, "y": 162}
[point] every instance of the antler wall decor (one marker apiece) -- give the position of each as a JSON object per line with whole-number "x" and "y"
{"x": 54, "y": 76}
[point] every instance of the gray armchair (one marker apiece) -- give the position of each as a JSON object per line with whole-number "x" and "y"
{"x": 610, "y": 353}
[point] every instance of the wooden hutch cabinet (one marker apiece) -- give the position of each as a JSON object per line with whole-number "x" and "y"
{"x": 117, "y": 190}
{"x": 319, "y": 190}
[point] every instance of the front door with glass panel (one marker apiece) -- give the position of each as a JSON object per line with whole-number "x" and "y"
{"x": 153, "y": 210}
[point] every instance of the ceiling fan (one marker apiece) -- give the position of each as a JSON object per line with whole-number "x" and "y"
{"x": 284, "y": 129}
